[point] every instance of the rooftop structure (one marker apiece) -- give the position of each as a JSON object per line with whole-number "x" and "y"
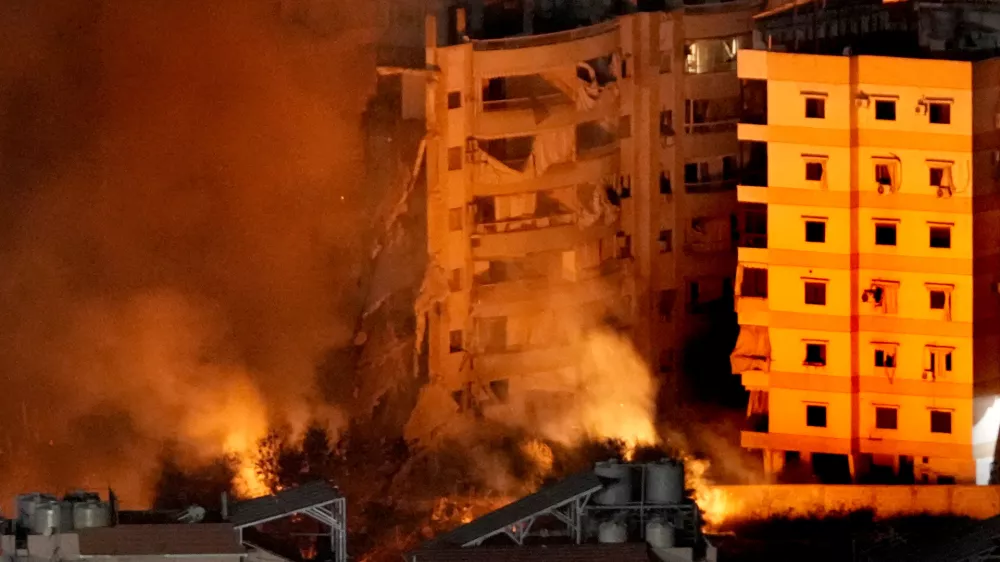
{"x": 867, "y": 297}
{"x": 619, "y": 511}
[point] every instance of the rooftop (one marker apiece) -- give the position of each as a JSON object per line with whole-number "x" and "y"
{"x": 285, "y": 502}
{"x": 160, "y": 540}
{"x": 627, "y": 552}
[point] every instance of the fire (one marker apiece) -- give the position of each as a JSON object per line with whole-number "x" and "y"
{"x": 249, "y": 482}
{"x": 714, "y": 504}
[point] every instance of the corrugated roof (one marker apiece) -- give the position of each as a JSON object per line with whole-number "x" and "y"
{"x": 566, "y": 489}
{"x": 159, "y": 540}
{"x": 285, "y": 502}
{"x": 627, "y": 552}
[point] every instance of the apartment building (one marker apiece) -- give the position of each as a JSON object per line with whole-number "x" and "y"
{"x": 867, "y": 280}
{"x": 575, "y": 177}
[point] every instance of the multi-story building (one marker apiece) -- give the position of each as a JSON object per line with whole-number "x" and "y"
{"x": 867, "y": 282}
{"x": 579, "y": 175}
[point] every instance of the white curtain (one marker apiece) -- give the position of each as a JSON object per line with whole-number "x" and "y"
{"x": 752, "y": 351}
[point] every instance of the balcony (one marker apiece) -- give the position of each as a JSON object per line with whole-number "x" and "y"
{"x": 754, "y": 102}
{"x": 525, "y": 224}
{"x": 510, "y": 56}
{"x": 718, "y": 185}
{"x": 705, "y": 56}
{"x": 553, "y": 238}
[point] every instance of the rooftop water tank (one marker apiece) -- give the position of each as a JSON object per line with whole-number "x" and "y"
{"x": 618, "y": 489}
{"x": 90, "y": 514}
{"x": 26, "y": 504}
{"x": 612, "y": 532}
{"x": 45, "y": 520}
{"x": 665, "y": 482}
{"x": 660, "y": 534}
{"x": 65, "y": 516}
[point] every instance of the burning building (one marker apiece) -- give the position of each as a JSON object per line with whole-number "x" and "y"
{"x": 616, "y": 511}
{"x": 581, "y": 170}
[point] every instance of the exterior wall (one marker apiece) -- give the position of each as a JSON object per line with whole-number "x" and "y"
{"x": 631, "y": 285}
{"x": 789, "y": 500}
{"x": 849, "y": 142}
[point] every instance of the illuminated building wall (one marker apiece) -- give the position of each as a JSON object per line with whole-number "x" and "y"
{"x": 523, "y": 232}
{"x": 867, "y": 282}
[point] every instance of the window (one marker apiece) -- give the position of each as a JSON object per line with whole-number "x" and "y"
{"x": 816, "y": 293}
{"x": 885, "y": 110}
{"x": 940, "y": 113}
{"x": 940, "y": 421}
{"x": 938, "y": 300}
{"x": 455, "y": 341}
{"x": 667, "y": 123}
{"x": 666, "y": 240}
{"x": 454, "y": 100}
{"x": 815, "y": 415}
{"x": 754, "y": 282}
{"x": 455, "y": 158}
{"x": 815, "y": 354}
{"x": 937, "y": 361}
{"x": 814, "y": 171}
{"x": 886, "y": 174}
{"x": 936, "y": 176}
{"x": 815, "y": 108}
{"x": 665, "y": 188}
{"x": 455, "y": 219}
{"x": 625, "y": 126}
{"x": 455, "y": 281}
{"x": 816, "y": 231}
{"x": 666, "y": 304}
{"x": 886, "y": 418}
{"x": 885, "y": 357}
{"x": 940, "y": 237}
{"x": 885, "y": 234}
{"x": 729, "y": 168}
{"x": 624, "y": 245}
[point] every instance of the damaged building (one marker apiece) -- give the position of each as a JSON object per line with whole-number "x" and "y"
{"x": 581, "y": 167}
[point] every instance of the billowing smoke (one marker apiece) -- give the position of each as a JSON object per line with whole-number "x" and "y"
{"x": 180, "y": 208}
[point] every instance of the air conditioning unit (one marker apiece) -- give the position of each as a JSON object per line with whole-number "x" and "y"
{"x": 928, "y": 374}
{"x": 862, "y": 102}
{"x": 921, "y": 107}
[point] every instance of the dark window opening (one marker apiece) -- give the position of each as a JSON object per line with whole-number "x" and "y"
{"x": 455, "y": 341}
{"x": 667, "y": 123}
{"x": 884, "y": 358}
{"x": 815, "y": 108}
{"x": 754, "y": 282}
{"x": 885, "y": 235}
{"x": 886, "y": 418}
{"x": 885, "y": 110}
{"x": 940, "y": 422}
{"x": 940, "y": 113}
{"x": 940, "y": 237}
{"x": 665, "y": 188}
{"x": 883, "y": 176}
{"x": 814, "y": 171}
{"x": 936, "y": 176}
{"x": 815, "y": 415}
{"x": 938, "y": 299}
{"x": 666, "y": 240}
{"x": 816, "y": 231}
{"x": 947, "y": 362}
{"x": 815, "y": 293}
{"x": 815, "y": 354}
{"x": 454, "y": 100}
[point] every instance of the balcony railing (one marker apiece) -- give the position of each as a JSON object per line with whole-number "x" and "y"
{"x": 525, "y": 41}
{"x": 725, "y": 126}
{"x": 713, "y": 186}
{"x": 513, "y": 104}
{"x": 750, "y": 240}
{"x": 707, "y": 247}
{"x": 527, "y": 223}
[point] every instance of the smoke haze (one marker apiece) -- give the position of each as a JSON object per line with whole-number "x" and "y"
{"x": 180, "y": 189}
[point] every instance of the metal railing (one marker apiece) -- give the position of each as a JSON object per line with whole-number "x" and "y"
{"x": 694, "y": 7}
{"x": 724, "y": 126}
{"x": 555, "y": 98}
{"x": 526, "y": 223}
{"x": 748, "y": 240}
{"x": 524, "y": 41}
{"x": 712, "y": 186}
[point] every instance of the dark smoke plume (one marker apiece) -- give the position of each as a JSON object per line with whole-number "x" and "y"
{"x": 180, "y": 200}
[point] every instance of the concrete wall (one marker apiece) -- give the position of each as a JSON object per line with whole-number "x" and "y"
{"x": 766, "y": 501}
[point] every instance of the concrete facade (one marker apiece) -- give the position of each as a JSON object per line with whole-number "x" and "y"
{"x": 557, "y": 203}
{"x": 867, "y": 314}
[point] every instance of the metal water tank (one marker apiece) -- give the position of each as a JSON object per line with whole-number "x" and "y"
{"x": 26, "y": 504}
{"x": 46, "y": 518}
{"x": 660, "y": 534}
{"x": 665, "y": 482}
{"x": 90, "y": 514}
{"x": 618, "y": 490}
{"x": 65, "y": 516}
{"x": 612, "y": 532}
